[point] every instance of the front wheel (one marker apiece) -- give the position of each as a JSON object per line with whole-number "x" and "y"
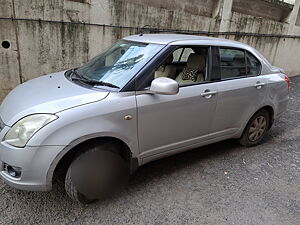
{"x": 97, "y": 173}
{"x": 72, "y": 191}
{"x": 256, "y": 129}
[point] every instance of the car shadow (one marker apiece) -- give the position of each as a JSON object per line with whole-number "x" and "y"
{"x": 175, "y": 163}
{"x": 171, "y": 164}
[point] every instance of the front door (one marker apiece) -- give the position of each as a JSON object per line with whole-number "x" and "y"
{"x": 168, "y": 124}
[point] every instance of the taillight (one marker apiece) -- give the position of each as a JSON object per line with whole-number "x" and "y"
{"x": 288, "y": 81}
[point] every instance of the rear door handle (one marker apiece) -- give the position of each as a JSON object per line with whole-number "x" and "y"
{"x": 208, "y": 94}
{"x": 259, "y": 85}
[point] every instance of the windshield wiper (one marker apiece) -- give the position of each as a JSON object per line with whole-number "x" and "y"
{"x": 91, "y": 82}
{"x": 94, "y": 82}
{"x": 75, "y": 72}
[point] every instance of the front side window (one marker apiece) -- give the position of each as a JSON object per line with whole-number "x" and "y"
{"x": 120, "y": 63}
{"x": 186, "y": 53}
{"x": 233, "y": 63}
{"x": 185, "y": 65}
{"x": 177, "y": 54}
{"x": 182, "y": 54}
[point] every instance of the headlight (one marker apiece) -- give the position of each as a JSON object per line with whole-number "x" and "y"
{"x": 25, "y": 128}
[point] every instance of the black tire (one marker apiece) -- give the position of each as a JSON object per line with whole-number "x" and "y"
{"x": 97, "y": 173}
{"x": 252, "y": 134}
{"x": 73, "y": 192}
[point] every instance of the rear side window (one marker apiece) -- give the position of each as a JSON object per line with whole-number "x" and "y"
{"x": 233, "y": 63}
{"x": 237, "y": 63}
{"x": 253, "y": 65}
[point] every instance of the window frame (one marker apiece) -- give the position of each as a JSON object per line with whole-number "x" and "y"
{"x": 213, "y": 67}
{"x": 245, "y": 55}
{"x": 154, "y": 65}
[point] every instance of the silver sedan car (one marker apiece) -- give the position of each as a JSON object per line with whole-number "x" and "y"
{"x": 147, "y": 97}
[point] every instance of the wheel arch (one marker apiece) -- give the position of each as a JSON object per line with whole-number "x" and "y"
{"x": 66, "y": 156}
{"x": 270, "y": 110}
{"x": 271, "y": 113}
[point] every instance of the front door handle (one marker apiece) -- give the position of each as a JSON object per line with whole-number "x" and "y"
{"x": 208, "y": 93}
{"x": 259, "y": 85}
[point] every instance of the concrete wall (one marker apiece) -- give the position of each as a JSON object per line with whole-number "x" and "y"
{"x": 265, "y": 9}
{"x": 52, "y": 35}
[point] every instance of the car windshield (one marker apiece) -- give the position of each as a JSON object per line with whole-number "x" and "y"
{"x": 119, "y": 64}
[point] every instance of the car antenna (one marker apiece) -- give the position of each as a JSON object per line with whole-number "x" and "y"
{"x": 142, "y": 32}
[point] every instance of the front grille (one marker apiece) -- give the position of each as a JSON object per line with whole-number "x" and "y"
{"x": 2, "y": 125}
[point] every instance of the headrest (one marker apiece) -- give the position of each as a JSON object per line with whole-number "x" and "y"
{"x": 196, "y": 61}
{"x": 240, "y": 58}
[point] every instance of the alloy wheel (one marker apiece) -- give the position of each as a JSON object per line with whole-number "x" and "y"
{"x": 257, "y": 128}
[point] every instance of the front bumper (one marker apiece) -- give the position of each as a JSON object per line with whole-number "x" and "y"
{"x": 36, "y": 164}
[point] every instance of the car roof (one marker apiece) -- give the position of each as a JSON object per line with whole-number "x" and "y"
{"x": 182, "y": 39}
{"x": 194, "y": 40}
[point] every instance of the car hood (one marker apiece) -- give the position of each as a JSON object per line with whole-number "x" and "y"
{"x": 47, "y": 94}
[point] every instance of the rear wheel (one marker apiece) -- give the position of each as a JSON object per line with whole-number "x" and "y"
{"x": 97, "y": 173}
{"x": 256, "y": 129}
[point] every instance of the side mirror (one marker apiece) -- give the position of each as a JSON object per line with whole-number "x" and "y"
{"x": 164, "y": 86}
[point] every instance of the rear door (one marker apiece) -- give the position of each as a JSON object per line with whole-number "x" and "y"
{"x": 241, "y": 91}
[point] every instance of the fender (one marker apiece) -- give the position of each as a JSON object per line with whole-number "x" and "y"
{"x": 135, "y": 162}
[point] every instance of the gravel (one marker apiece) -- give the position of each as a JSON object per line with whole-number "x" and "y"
{"x": 222, "y": 183}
